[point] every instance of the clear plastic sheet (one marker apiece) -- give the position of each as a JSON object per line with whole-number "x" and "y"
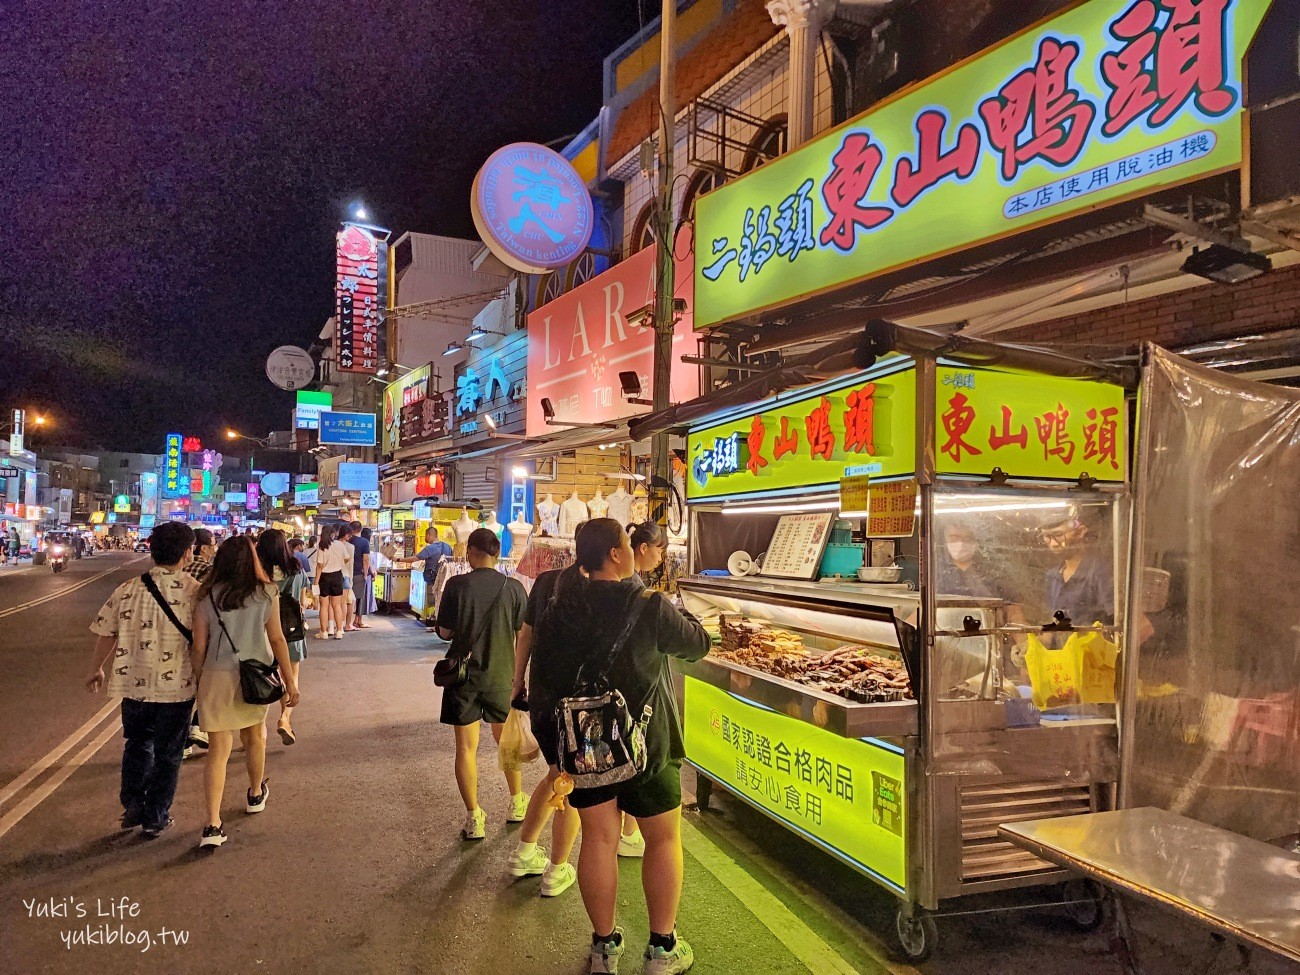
{"x": 1215, "y": 718}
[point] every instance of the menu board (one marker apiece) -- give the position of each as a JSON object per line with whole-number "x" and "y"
{"x": 797, "y": 545}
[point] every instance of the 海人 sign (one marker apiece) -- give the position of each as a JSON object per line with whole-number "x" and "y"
{"x": 847, "y": 793}
{"x": 1108, "y": 100}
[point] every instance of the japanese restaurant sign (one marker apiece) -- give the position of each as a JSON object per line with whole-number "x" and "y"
{"x": 581, "y": 341}
{"x": 846, "y": 794}
{"x": 865, "y": 427}
{"x": 1030, "y": 426}
{"x": 1109, "y": 100}
{"x": 411, "y": 388}
{"x": 360, "y": 297}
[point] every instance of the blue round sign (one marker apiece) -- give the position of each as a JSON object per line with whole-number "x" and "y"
{"x": 275, "y": 484}
{"x": 531, "y": 208}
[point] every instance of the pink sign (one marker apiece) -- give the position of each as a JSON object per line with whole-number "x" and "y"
{"x": 581, "y": 341}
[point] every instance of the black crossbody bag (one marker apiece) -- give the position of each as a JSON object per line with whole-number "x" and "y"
{"x": 260, "y": 683}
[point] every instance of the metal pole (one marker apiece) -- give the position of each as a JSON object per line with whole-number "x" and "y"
{"x": 661, "y": 465}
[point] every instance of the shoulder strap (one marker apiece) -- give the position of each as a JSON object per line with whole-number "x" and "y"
{"x": 639, "y": 604}
{"x": 487, "y": 617}
{"x": 152, "y": 586}
{"x": 222, "y": 623}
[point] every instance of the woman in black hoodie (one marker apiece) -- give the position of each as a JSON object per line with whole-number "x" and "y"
{"x": 583, "y": 622}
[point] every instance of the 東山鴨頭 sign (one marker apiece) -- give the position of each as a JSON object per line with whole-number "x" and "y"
{"x": 290, "y": 367}
{"x": 1106, "y": 101}
{"x": 531, "y": 208}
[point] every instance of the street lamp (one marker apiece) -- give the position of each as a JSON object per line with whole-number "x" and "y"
{"x": 236, "y": 435}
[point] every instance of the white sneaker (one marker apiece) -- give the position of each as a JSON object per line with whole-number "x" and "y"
{"x": 631, "y": 846}
{"x": 660, "y": 962}
{"x": 475, "y": 826}
{"x": 517, "y": 808}
{"x": 605, "y": 955}
{"x": 557, "y": 878}
{"x": 531, "y": 866}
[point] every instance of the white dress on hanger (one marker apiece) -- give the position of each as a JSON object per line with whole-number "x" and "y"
{"x": 572, "y": 513}
{"x": 548, "y": 515}
{"x": 597, "y": 506}
{"x": 620, "y": 506}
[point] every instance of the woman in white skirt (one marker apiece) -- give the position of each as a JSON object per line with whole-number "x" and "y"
{"x": 237, "y": 617}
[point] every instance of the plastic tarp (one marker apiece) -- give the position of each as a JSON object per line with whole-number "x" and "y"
{"x": 1214, "y": 711}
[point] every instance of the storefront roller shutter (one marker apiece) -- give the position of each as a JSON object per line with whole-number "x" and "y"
{"x": 474, "y": 482}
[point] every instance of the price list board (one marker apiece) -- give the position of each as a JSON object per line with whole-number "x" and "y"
{"x": 797, "y": 545}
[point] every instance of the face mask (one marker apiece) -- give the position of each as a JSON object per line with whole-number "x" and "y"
{"x": 961, "y": 551}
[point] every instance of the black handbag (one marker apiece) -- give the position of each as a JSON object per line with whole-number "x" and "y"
{"x": 452, "y": 671}
{"x": 260, "y": 683}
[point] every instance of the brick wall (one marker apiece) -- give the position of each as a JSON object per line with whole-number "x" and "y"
{"x": 1210, "y": 311}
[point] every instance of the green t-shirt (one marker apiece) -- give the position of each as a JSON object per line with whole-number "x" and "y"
{"x": 473, "y": 611}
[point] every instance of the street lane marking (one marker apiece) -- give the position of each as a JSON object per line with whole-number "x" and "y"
{"x": 15, "y": 815}
{"x": 20, "y": 783}
{"x": 803, "y": 942}
{"x": 65, "y": 590}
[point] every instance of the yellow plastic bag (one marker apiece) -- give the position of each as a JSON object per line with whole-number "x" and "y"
{"x": 1054, "y": 675}
{"x": 518, "y": 747}
{"x": 1097, "y": 657}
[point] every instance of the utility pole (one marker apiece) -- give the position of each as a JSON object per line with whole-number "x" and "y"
{"x": 661, "y": 465}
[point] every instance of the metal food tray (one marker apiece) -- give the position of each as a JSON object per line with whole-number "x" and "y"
{"x": 894, "y": 719}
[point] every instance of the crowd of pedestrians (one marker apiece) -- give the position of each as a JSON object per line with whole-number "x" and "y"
{"x": 584, "y": 655}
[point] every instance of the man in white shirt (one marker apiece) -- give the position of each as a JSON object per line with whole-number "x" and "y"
{"x": 144, "y": 627}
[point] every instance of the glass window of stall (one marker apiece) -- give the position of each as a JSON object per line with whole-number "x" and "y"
{"x": 1006, "y": 562}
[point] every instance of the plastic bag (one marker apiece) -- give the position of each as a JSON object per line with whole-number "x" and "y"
{"x": 518, "y": 747}
{"x": 1054, "y": 675}
{"x": 1097, "y": 657}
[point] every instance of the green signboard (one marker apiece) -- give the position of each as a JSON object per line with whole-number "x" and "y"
{"x": 1028, "y": 425}
{"x": 815, "y": 439}
{"x": 846, "y": 794}
{"x": 1109, "y": 100}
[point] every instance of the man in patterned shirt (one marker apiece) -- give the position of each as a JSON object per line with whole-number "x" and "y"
{"x": 151, "y": 673}
{"x": 205, "y": 550}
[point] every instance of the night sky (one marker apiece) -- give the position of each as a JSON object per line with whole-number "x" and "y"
{"x": 174, "y": 172}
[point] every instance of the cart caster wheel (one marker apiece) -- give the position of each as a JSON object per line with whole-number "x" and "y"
{"x": 1088, "y": 910}
{"x": 703, "y": 791}
{"x": 914, "y": 936}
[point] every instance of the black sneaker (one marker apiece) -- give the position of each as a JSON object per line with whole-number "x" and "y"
{"x": 212, "y": 836}
{"x": 256, "y": 803}
{"x": 154, "y": 830}
{"x": 132, "y": 818}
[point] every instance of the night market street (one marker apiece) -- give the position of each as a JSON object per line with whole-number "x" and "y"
{"x": 357, "y": 866}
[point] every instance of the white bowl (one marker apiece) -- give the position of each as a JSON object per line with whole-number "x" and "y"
{"x": 880, "y": 573}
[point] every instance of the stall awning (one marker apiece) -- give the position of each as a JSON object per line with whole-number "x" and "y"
{"x": 575, "y": 440}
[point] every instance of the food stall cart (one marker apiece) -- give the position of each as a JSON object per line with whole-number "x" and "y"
{"x": 889, "y": 722}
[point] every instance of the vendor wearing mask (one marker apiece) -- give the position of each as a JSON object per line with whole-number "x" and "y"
{"x": 1082, "y": 585}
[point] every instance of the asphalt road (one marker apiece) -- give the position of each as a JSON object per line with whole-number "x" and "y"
{"x": 357, "y": 867}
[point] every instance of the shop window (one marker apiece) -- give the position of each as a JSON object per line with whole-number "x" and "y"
{"x": 771, "y": 141}
{"x": 549, "y": 287}
{"x": 581, "y": 270}
{"x": 703, "y": 180}
{"x": 643, "y": 231}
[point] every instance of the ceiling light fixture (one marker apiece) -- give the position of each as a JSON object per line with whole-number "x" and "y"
{"x": 1226, "y": 265}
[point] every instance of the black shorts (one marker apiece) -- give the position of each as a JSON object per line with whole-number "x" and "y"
{"x": 642, "y": 797}
{"x": 469, "y": 704}
{"x": 331, "y": 583}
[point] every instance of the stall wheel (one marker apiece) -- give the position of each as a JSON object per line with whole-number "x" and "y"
{"x": 1085, "y": 904}
{"x": 915, "y": 934}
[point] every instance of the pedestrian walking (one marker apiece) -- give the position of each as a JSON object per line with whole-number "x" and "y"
{"x": 433, "y": 555}
{"x": 285, "y": 571}
{"x": 144, "y": 628}
{"x": 349, "y": 597}
{"x": 530, "y": 859}
{"x": 205, "y": 550}
{"x": 237, "y": 618}
{"x": 606, "y": 630}
{"x": 480, "y": 613}
{"x": 361, "y": 575}
{"x": 331, "y": 561}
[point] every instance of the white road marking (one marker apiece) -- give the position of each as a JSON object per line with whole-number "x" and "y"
{"x": 803, "y": 942}
{"x": 65, "y": 590}
{"x": 15, "y": 815}
{"x": 24, "y": 780}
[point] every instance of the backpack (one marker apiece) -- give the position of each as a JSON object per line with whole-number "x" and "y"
{"x": 291, "y": 618}
{"x": 601, "y": 744}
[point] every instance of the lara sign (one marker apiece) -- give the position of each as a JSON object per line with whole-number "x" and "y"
{"x": 1109, "y": 100}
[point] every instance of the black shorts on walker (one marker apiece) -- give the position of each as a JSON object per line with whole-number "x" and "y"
{"x": 647, "y": 795}
{"x": 331, "y": 584}
{"x": 469, "y": 704}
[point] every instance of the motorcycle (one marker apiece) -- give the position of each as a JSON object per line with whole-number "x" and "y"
{"x": 58, "y": 557}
